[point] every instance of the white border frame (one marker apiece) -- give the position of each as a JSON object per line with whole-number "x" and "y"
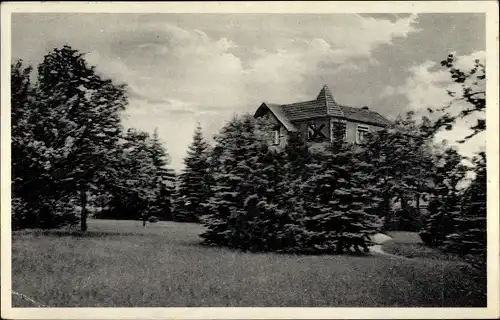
{"x": 490, "y": 8}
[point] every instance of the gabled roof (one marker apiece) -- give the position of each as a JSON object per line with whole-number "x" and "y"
{"x": 323, "y": 106}
{"x": 278, "y": 113}
{"x": 364, "y": 115}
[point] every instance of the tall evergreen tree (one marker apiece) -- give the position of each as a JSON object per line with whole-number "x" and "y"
{"x": 469, "y": 233}
{"x": 446, "y": 177}
{"x": 139, "y": 175}
{"x": 402, "y": 161}
{"x": 164, "y": 180}
{"x": 341, "y": 199}
{"x": 240, "y": 211}
{"x": 234, "y": 146}
{"x": 194, "y": 181}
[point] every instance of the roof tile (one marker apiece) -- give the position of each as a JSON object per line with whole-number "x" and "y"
{"x": 323, "y": 106}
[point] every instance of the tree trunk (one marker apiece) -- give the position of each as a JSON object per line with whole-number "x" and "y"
{"x": 418, "y": 204}
{"x": 404, "y": 202}
{"x": 84, "y": 213}
{"x": 143, "y": 222}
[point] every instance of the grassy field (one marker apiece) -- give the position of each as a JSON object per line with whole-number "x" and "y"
{"x": 122, "y": 264}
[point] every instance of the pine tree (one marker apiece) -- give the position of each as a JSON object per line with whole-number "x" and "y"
{"x": 402, "y": 162}
{"x": 469, "y": 234}
{"x": 164, "y": 180}
{"x": 342, "y": 199}
{"x": 295, "y": 170}
{"x": 231, "y": 187}
{"x": 139, "y": 176}
{"x": 194, "y": 181}
{"x": 446, "y": 176}
{"x": 241, "y": 213}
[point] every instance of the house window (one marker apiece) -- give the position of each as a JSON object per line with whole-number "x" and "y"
{"x": 276, "y": 136}
{"x": 361, "y": 133}
{"x": 338, "y": 130}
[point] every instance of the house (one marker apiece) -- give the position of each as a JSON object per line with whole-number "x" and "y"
{"x": 320, "y": 120}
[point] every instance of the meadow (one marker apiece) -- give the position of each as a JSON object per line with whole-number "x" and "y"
{"x": 122, "y": 264}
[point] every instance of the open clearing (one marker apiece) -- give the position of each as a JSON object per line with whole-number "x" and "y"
{"x": 122, "y": 264}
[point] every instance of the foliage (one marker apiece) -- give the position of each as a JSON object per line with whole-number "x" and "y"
{"x": 473, "y": 93}
{"x": 143, "y": 186}
{"x": 402, "y": 161}
{"x": 164, "y": 180}
{"x": 70, "y": 157}
{"x": 194, "y": 181}
{"x": 469, "y": 233}
{"x": 457, "y": 220}
{"x": 236, "y": 166}
{"x": 340, "y": 200}
{"x": 71, "y": 131}
{"x": 292, "y": 201}
{"x": 447, "y": 175}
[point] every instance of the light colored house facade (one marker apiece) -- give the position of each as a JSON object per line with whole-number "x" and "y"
{"x": 320, "y": 120}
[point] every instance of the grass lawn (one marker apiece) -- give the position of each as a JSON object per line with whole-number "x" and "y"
{"x": 122, "y": 264}
{"x": 409, "y": 245}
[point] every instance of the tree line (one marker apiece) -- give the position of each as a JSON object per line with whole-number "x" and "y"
{"x": 71, "y": 157}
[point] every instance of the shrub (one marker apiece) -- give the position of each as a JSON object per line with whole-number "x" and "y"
{"x": 153, "y": 219}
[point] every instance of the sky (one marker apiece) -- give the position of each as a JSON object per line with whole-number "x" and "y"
{"x": 184, "y": 69}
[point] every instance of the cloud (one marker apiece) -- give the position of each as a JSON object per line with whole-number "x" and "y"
{"x": 194, "y": 69}
{"x": 427, "y": 86}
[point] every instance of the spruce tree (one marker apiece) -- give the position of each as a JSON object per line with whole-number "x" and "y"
{"x": 342, "y": 199}
{"x": 139, "y": 176}
{"x": 469, "y": 234}
{"x": 164, "y": 180}
{"x": 402, "y": 162}
{"x": 231, "y": 186}
{"x": 241, "y": 213}
{"x": 194, "y": 181}
{"x": 446, "y": 176}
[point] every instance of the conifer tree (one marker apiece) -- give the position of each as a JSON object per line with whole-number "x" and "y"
{"x": 231, "y": 154}
{"x": 446, "y": 176}
{"x": 244, "y": 175}
{"x": 402, "y": 161}
{"x": 194, "y": 181}
{"x": 342, "y": 211}
{"x": 469, "y": 234}
{"x": 164, "y": 180}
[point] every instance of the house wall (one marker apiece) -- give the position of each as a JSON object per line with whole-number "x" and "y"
{"x": 283, "y": 132}
{"x": 302, "y": 126}
{"x": 352, "y": 130}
